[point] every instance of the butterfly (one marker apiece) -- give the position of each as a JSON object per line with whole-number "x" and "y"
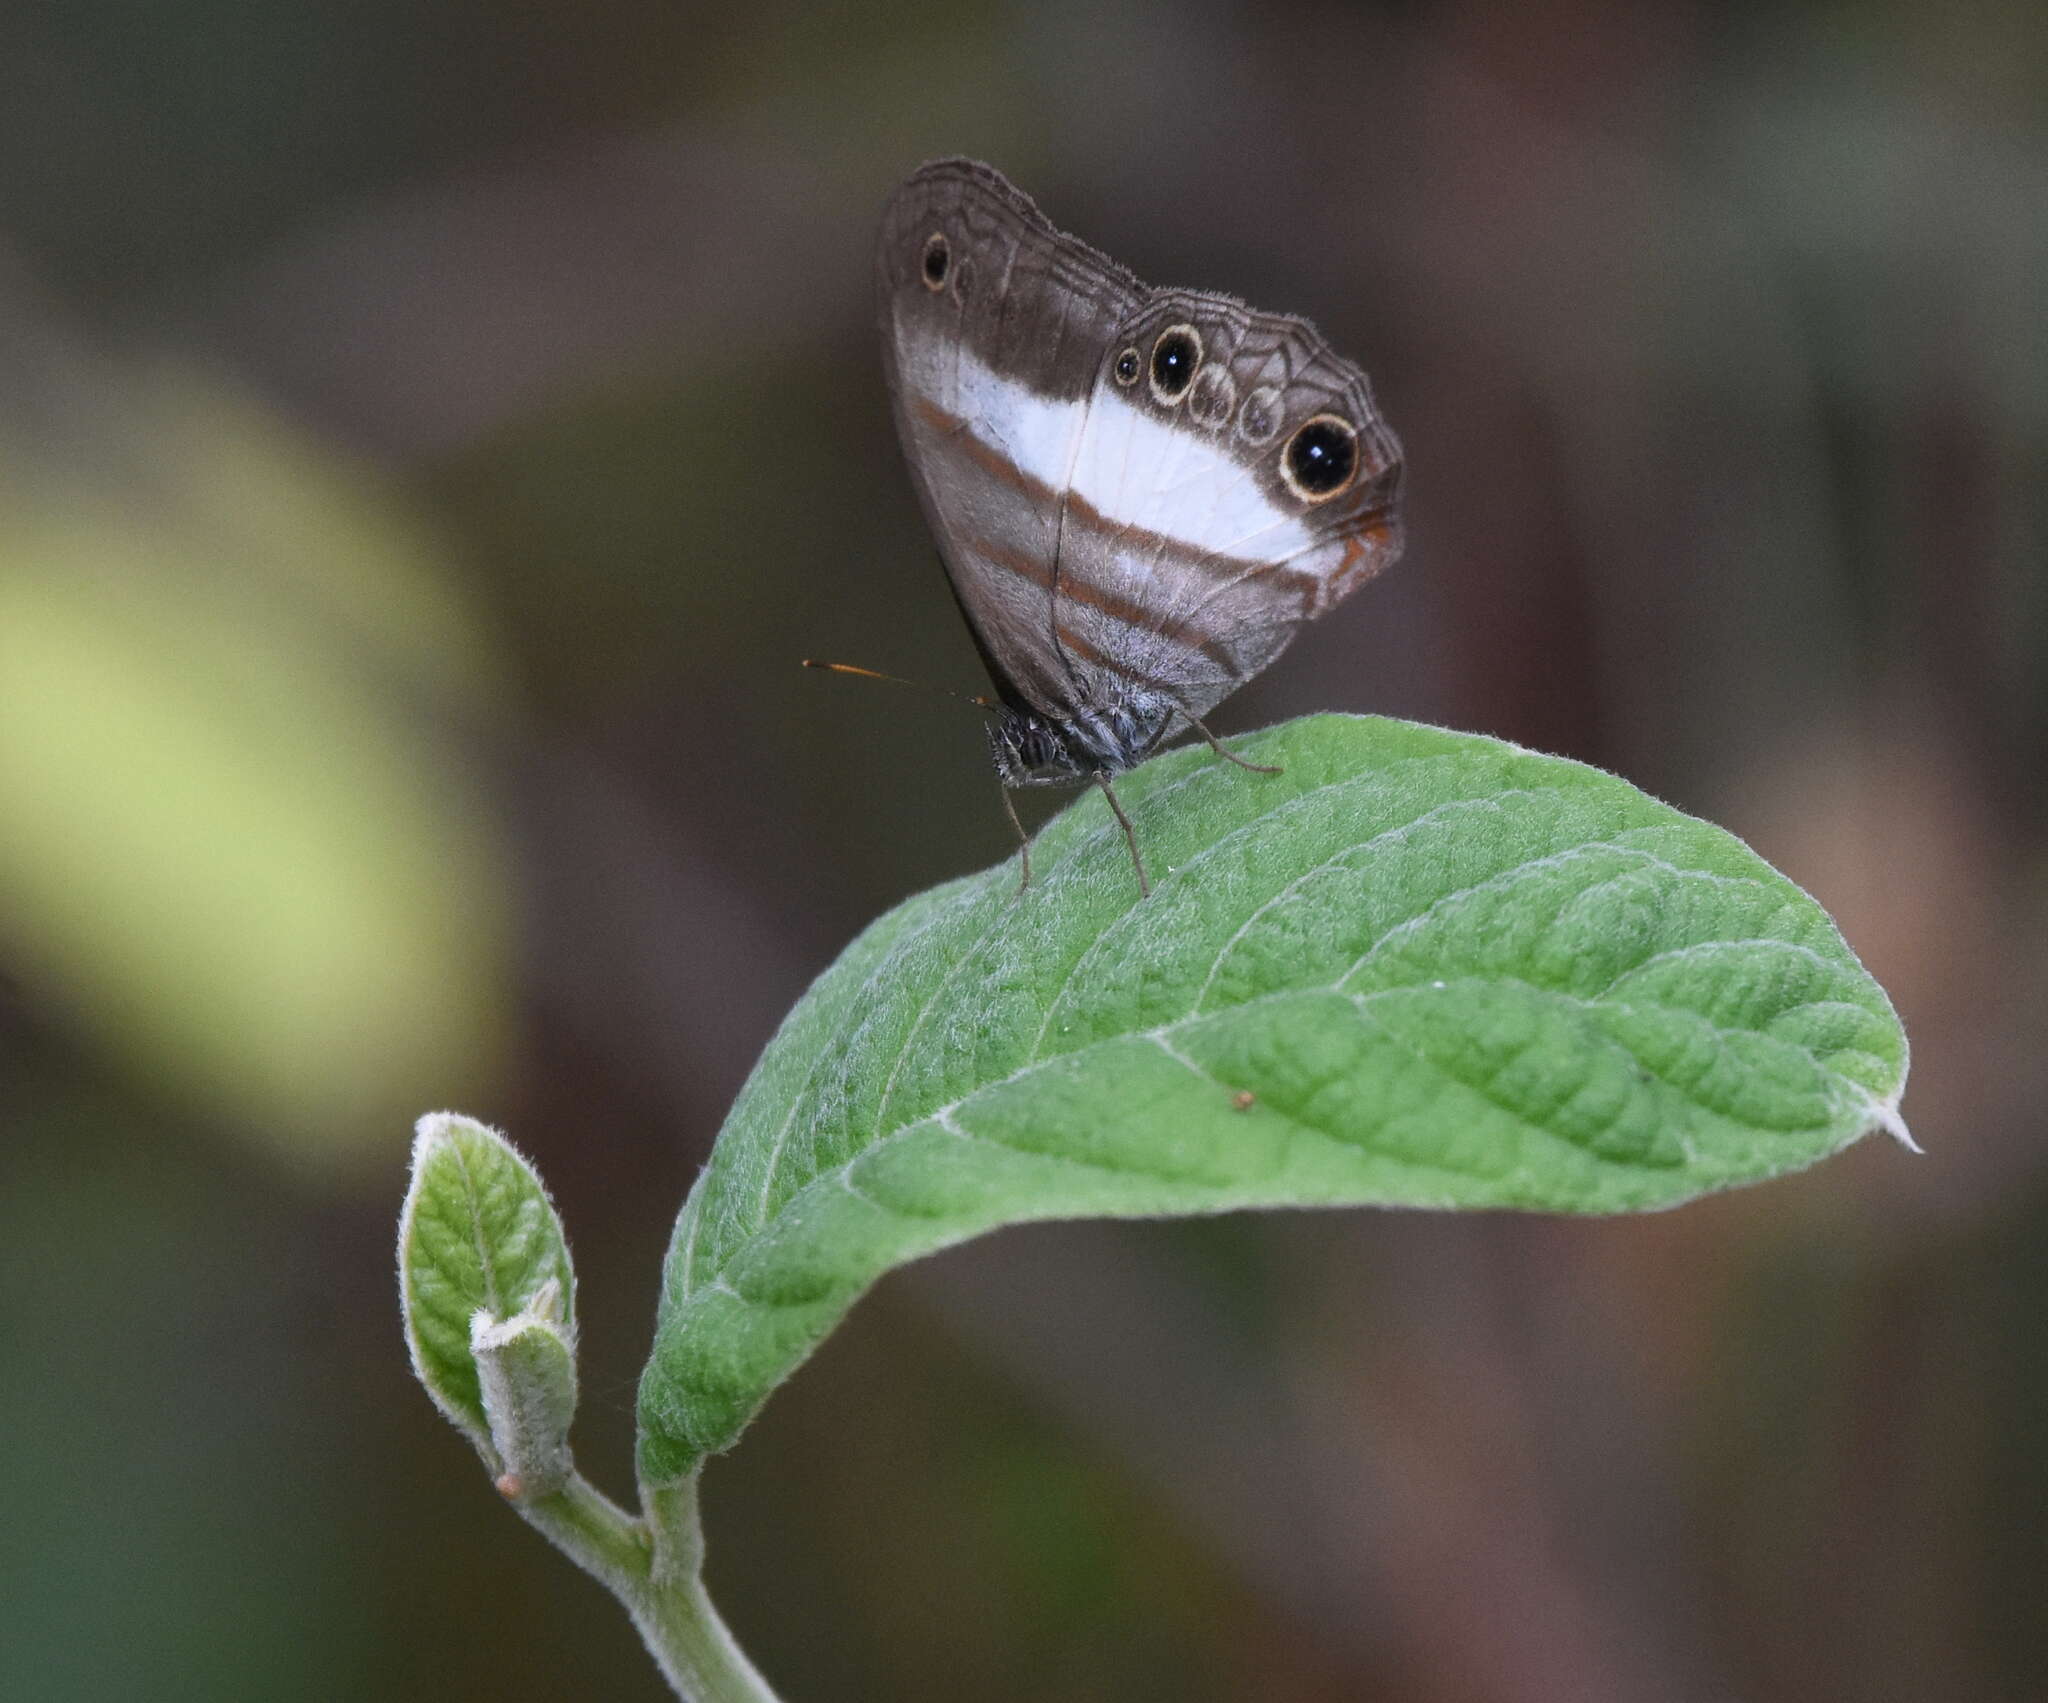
{"x": 1138, "y": 495}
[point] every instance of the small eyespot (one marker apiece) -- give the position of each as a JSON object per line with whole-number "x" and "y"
{"x": 1126, "y": 368}
{"x": 938, "y": 260}
{"x": 1258, "y": 420}
{"x": 1320, "y": 458}
{"x": 1175, "y": 358}
{"x": 1212, "y": 397}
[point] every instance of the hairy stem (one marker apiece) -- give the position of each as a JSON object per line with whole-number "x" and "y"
{"x": 654, "y": 1567}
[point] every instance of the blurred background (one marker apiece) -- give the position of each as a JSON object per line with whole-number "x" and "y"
{"x": 430, "y": 435}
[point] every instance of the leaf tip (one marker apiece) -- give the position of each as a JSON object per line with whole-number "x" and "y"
{"x": 437, "y": 1130}
{"x": 1886, "y": 1116}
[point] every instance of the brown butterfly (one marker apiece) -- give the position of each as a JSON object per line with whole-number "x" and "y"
{"x": 1138, "y": 494}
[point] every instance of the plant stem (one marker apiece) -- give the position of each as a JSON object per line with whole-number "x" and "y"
{"x": 655, "y": 1568}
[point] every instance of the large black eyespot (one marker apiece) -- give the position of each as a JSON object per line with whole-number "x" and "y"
{"x": 1126, "y": 368}
{"x": 1174, "y": 359}
{"x": 938, "y": 260}
{"x": 1320, "y": 458}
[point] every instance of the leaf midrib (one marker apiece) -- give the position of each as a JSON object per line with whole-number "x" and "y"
{"x": 946, "y": 1116}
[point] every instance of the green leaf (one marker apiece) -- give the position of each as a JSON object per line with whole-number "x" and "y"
{"x": 1417, "y": 968}
{"x": 478, "y": 1236}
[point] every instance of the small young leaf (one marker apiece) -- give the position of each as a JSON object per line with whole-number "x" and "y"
{"x": 1416, "y": 968}
{"x": 526, "y": 1370}
{"x": 478, "y": 1235}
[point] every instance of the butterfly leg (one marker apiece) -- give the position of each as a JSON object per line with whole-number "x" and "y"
{"x": 1223, "y": 750}
{"x": 1101, "y": 778}
{"x": 1023, "y": 839}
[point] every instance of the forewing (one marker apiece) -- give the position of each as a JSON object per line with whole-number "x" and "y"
{"x": 991, "y": 367}
{"x": 1188, "y": 557}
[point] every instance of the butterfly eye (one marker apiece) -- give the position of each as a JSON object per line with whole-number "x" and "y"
{"x": 1174, "y": 359}
{"x": 1126, "y": 368}
{"x": 1320, "y": 458}
{"x": 938, "y": 260}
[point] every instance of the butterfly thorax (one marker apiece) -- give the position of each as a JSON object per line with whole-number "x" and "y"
{"x": 1039, "y": 750}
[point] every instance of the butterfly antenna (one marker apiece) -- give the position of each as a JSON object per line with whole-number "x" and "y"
{"x": 982, "y": 704}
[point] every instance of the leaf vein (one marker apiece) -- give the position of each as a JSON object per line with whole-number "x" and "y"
{"x": 1502, "y": 878}
{"x": 1259, "y": 822}
{"x": 1337, "y": 857}
{"x": 1673, "y": 954}
{"x": 1102, "y": 934}
{"x": 889, "y": 960}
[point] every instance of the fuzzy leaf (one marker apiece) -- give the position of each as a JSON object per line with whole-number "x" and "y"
{"x": 478, "y": 1235}
{"x": 1417, "y": 968}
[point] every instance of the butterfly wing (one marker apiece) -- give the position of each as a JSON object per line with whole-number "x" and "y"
{"x": 993, "y": 326}
{"x": 1233, "y": 479}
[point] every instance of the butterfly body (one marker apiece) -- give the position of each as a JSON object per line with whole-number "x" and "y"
{"x": 1139, "y": 495}
{"x": 1101, "y": 738}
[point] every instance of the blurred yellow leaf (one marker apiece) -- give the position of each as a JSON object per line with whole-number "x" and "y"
{"x": 238, "y": 844}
